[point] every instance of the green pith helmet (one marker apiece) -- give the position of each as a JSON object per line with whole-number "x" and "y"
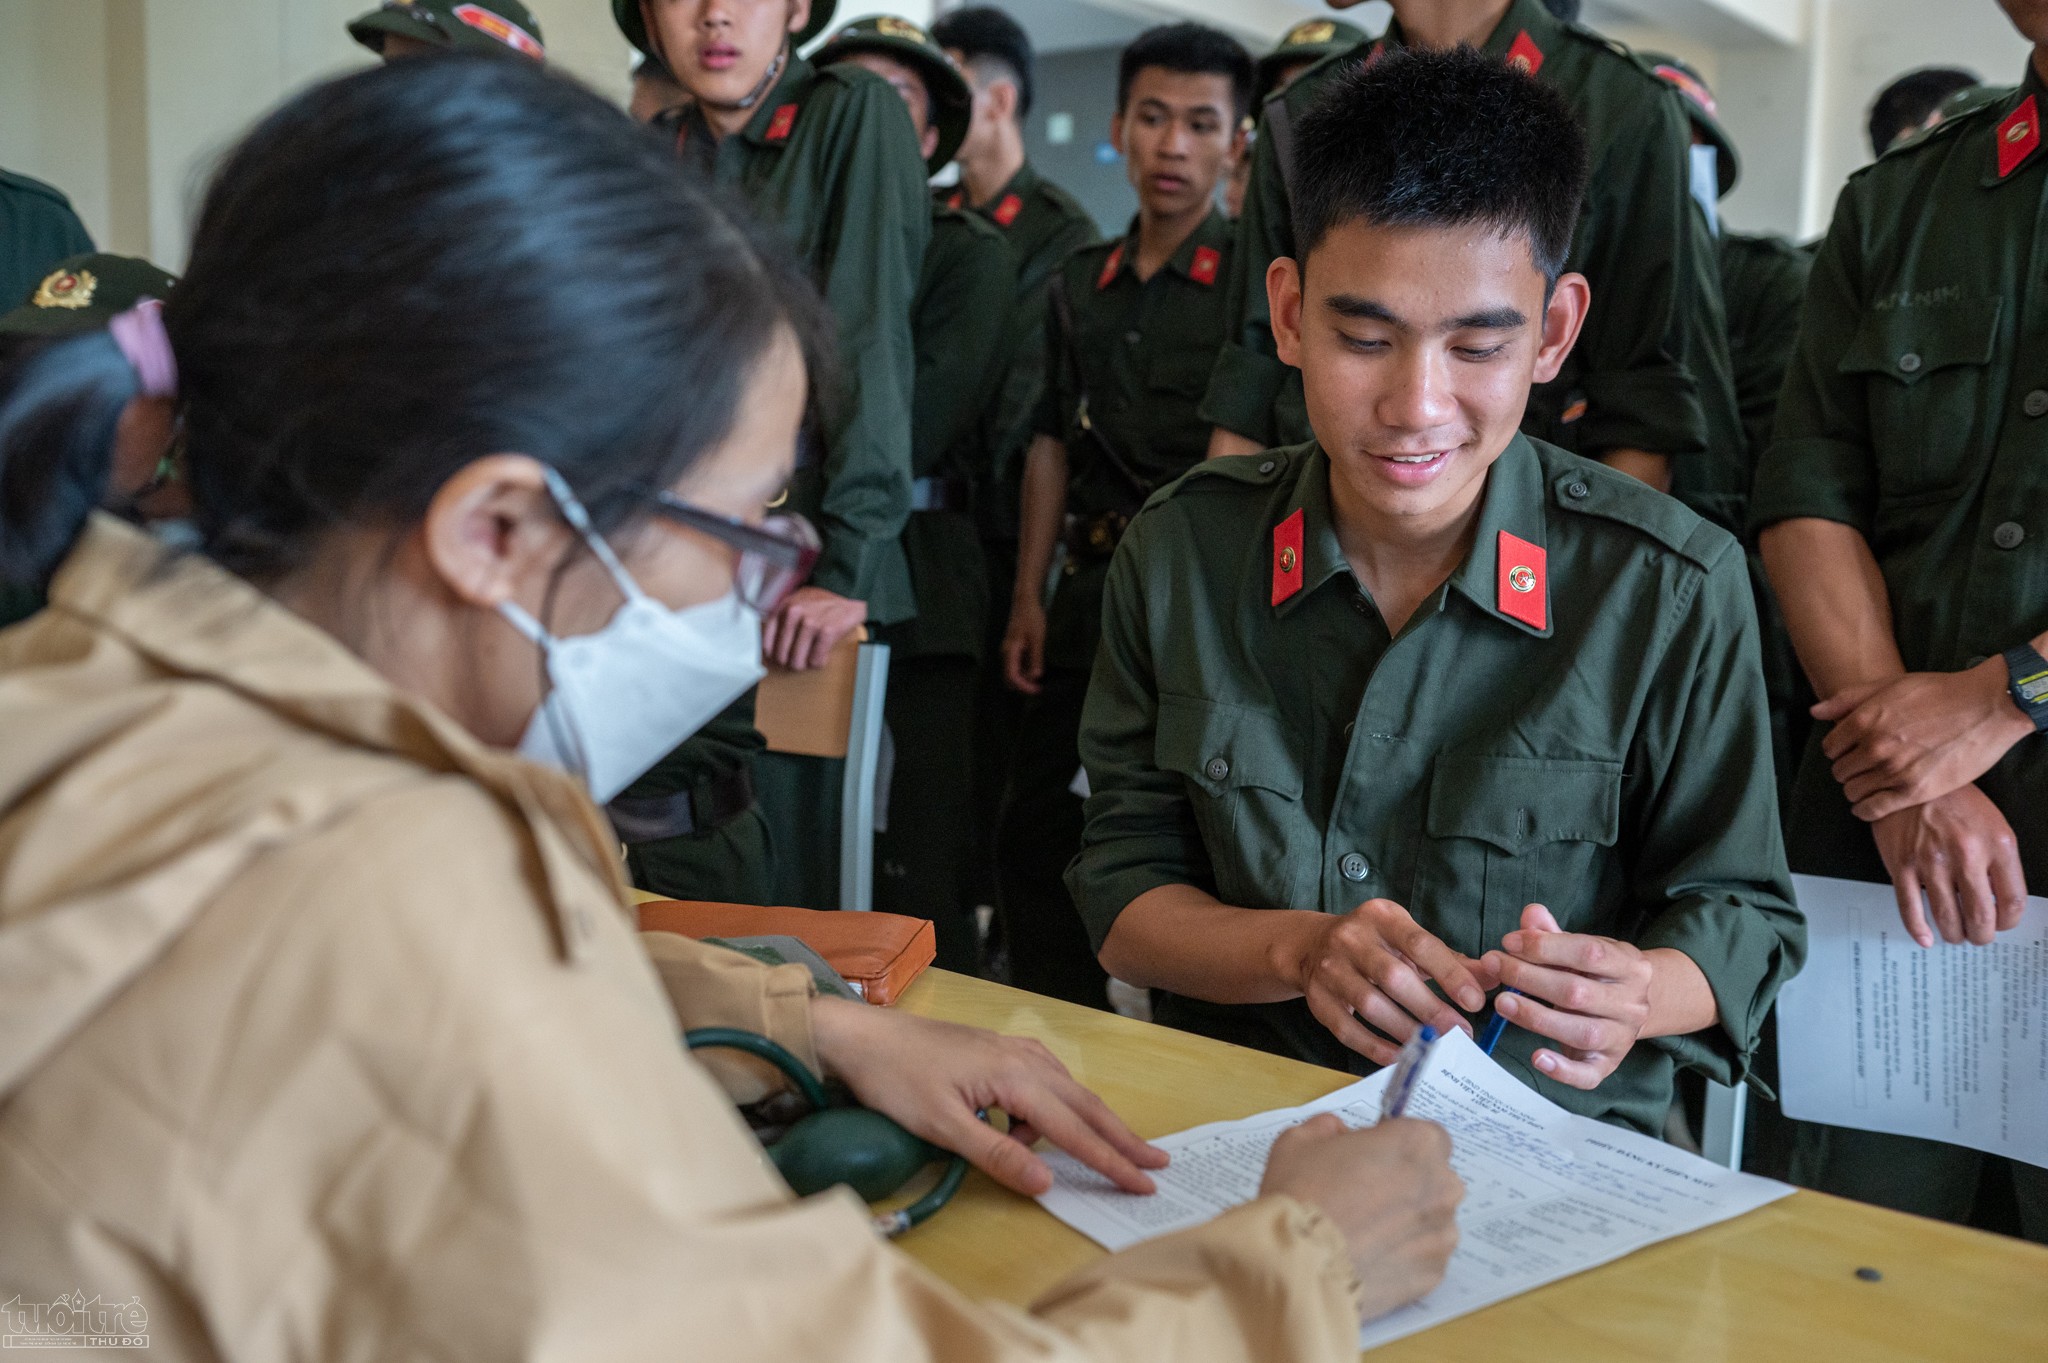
{"x": 1310, "y": 40}
{"x": 951, "y": 99}
{"x": 468, "y": 25}
{"x": 626, "y": 14}
{"x": 83, "y": 293}
{"x": 1699, "y": 103}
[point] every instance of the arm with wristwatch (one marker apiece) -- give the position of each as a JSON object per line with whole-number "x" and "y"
{"x": 1908, "y": 747}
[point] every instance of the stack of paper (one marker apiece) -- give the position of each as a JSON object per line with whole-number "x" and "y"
{"x": 1547, "y": 1193}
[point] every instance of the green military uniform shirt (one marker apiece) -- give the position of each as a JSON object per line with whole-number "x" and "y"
{"x": 960, "y": 326}
{"x": 1044, "y": 225}
{"x": 1916, "y": 411}
{"x": 1134, "y": 367}
{"x": 1650, "y": 370}
{"x": 831, "y": 158}
{"x": 1763, "y": 283}
{"x": 1612, "y": 763}
{"x": 37, "y": 229}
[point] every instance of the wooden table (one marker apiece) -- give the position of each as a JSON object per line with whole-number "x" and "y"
{"x": 1779, "y": 1283}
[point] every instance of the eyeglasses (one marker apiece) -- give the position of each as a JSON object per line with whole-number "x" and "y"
{"x": 775, "y": 556}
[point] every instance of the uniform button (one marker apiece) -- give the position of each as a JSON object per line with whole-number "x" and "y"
{"x": 1909, "y": 363}
{"x": 1358, "y": 604}
{"x": 1131, "y": 337}
{"x": 1349, "y": 725}
{"x": 1267, "y": 466}
{"x": 1217, "y": 769}
{"x": 1576, "y": 490}
{"x": 2009, "y": 535}
{"x": 1353, "y": 867}
{"x": 2035, "y": 403}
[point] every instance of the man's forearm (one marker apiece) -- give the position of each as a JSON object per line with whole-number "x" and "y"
{"x": 1833, "y": 597}
{"x": 1641, "y": 465}
{"x": 1186, "y": 940}
{"x": 1042, "y": 504}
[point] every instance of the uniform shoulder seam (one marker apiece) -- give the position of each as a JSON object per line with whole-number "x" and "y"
{"x": 31, "y": 185}
{"x": 1588, "y": 488}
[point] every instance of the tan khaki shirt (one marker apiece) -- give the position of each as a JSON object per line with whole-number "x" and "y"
{"x": 324, "y": 1035}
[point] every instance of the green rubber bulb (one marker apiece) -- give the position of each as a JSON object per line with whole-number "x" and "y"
{"x": 850, "y": 1145}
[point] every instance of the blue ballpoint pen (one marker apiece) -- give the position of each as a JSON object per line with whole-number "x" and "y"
{"x": 1407, "y": 1070}
{"x": 1496, "y": 1025}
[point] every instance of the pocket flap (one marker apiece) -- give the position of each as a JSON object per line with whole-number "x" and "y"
{"x": 1224, "y": 747}
{"x": 1908, "y": 344}
{"x": 1516, "y": 803}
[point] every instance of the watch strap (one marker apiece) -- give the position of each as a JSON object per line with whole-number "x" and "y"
{"x": 2029, "y": 686}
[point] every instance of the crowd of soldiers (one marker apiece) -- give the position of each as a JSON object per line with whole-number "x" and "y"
{"x": 1015, "y": 389}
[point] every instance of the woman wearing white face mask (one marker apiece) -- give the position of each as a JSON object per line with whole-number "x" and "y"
{"x": 323, "y": 1031}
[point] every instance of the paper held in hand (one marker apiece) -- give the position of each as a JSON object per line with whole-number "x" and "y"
{"x": 1948, "y": 1042}
{"x": 1547, "y": 1193}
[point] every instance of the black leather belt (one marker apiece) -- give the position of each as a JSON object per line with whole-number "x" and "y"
{"x": 703, "y": 807}
{"x": 941, "y": 494}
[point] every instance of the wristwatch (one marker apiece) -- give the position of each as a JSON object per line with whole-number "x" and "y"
{"x": 2029, "y": 673}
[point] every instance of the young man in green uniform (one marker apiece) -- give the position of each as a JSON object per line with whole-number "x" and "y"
{"x": 1428, "y": 706}
{"x": 80, "y": 294}
{"x": 1301, "y": 47}
{"x": 1904, "y": 515}
{"x": 37, "y": 229}
{"x": 406, "y": 28}
{"x": 1044, "y": 225}
{"x": 960, "y": 323}
{"x": 1133, "y": 330}
{"x": 830, "y": 157}
{"x": 1647, "y": 390}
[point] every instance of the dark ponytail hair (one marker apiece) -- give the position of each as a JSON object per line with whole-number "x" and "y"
{"x": 398, "y": 272}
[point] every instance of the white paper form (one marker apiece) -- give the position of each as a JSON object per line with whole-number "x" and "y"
{"x": 1547, "y": 1193}
{"x": 1946, "y": 1042}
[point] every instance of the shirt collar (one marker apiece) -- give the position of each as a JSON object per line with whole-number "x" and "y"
{"x": 1523, "y": 16}
{"x": 796, "y": 74}
{"x": 1213, "y": 232}
{"x": 2018, "y": 116}
{"x": 1513, "y": 501}
{"x": 196, "y": 619}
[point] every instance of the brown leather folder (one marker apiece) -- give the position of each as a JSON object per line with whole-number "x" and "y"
{"x": 878, "y": 953}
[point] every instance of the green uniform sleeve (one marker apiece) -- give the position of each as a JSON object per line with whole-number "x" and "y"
{"x": 1140, "y": 832}
{"x": 879, "y": 222}
{"x": 1821, "y": 463}
{"x": 1709, "y": 864}
{"x": 962, "y": 321}
{"x": 1249, "y": 376}
{"x": 1655, "y": 304}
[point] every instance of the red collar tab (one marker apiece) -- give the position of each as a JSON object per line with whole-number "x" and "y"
{"x": 1202, "y": 269}
{"x": 1522, "y": 591}
{"x": 1524, "y": 56}
{"x": 1007, "y": 210}
{"x": 1287, "y": 575}
{"x": 779, "y": 126}
{"x": 2018, "y": 136}
{"x": 1110, "y": 267}
{"x": 955, "y": 199}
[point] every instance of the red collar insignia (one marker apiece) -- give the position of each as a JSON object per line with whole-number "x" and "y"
{"x": 1007, "y": 211}
{"x": 1524, "y": 56}
{"x": 1110, "y": 267}
{"x": 1521, "y": 591}
{"x": 2018, "y": 136}
{"x": 1203, "y": 268}
{"x": 1378, "y": 49}
{"x": 779, "y": 126}
{"x": 955, "y": 199}
{"x": 1287, "y": 572}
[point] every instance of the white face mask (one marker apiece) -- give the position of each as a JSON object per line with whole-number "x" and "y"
{"x": 622, "y": 698}
{"x": 1706, "y": 184}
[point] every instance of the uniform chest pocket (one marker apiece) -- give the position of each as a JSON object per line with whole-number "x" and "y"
{"x": 1928, "y": 387}
{"x": 1244, "y": 782}
{"x": 1510, "y": 831}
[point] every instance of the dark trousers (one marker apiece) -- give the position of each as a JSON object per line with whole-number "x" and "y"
{"x": 1039, "y": 833}
{"x": 922, "y": 858}
{"x": 799, "y": 798}
{"x": 731, "y": 864}
{"x": 997, "y": 712}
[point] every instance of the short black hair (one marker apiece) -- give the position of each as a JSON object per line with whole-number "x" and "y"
{"x": 1192, "y": 49}
{"x": 1906, "y": 102}
{"x": 1442, "y": 138}
{"x": 983, "y": 33}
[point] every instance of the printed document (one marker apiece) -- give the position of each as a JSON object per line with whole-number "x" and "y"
{"x": 1547, "y": 1193}
{"x": 1946, "y": 1042}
